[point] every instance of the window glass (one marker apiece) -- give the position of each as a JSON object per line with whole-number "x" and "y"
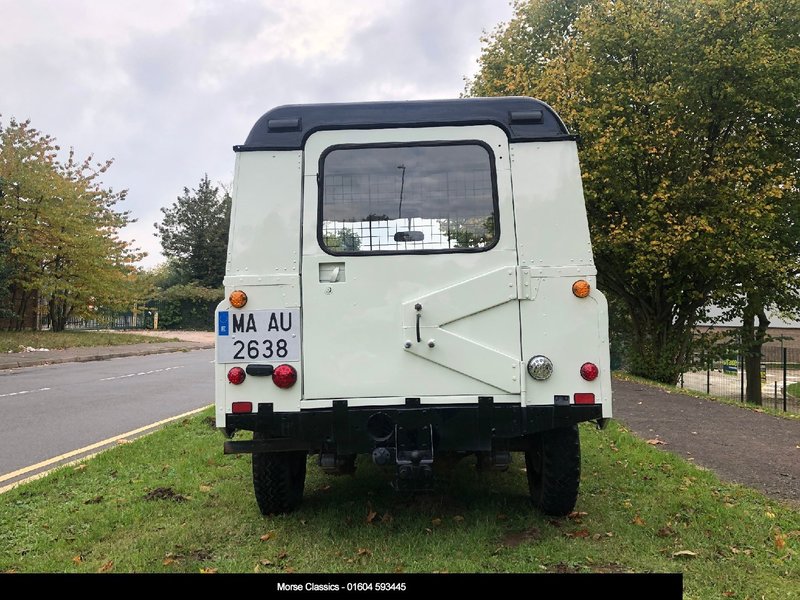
{"x": 418, "y": 198}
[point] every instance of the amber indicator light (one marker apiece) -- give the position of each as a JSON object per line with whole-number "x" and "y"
{"x": 238, "y": 299}
{"x": 581, "y": 288}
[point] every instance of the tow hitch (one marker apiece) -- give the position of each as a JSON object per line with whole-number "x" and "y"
{"x": 413, "y": 456}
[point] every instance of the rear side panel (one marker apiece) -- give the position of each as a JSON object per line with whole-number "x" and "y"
{"x": 263, "y": 261}
{"x": 555, "y": 251}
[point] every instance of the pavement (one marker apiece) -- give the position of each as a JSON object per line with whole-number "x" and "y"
{"x": 752, "y": 448}
{"x": 187, "y": 340}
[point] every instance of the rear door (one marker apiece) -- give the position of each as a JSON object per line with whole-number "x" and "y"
{"x": 409, "y": 266}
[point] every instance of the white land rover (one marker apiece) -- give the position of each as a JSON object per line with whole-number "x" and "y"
{"x": 409, "y": 281}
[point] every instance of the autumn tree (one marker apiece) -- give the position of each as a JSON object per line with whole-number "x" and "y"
{"x": 60, "y": 227}
{"x": 194, "y": 234}
{"x": 688, "y": 119}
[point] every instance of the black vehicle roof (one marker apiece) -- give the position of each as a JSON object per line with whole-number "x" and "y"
{"x": 523, "y": 119}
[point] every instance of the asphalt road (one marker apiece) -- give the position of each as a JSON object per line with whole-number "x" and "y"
{"x": 46, "y": 412}
{"x": 754, "y": 449}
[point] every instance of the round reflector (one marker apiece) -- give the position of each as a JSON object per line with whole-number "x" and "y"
{"x": 284, "y": 376}
{"x": 540, "y": 367}
{"x": 238, "y": 298}
{"x": 581, "y": 288}
{"x": 589, "y": 371}
{"x": 236, "y": 375}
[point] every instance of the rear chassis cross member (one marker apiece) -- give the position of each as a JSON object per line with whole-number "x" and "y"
{"x": 484, "y": 426}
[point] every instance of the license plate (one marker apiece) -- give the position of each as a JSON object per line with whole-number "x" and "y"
{"x": 258, "y": 335}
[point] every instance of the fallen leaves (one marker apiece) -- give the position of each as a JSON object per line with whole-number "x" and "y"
{"x": 371, "y": 516}
{"x": 780, "y": 541}
{"x": 637, "y": 520}
{"x": 78, "y": 559}
{"x": 267, "y": 536}
{"x": 106, "y": 567}
{"x": 665, "y": 531}
{"x": 580, "y": 533}
{"x": 684, "y": 554}
{"x": 208, "y": 570}
{"x": 656, "y": 442}
{"x": 205, "y": 488}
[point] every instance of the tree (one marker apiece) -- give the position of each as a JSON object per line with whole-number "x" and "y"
{"x": 688, "y": 120}
{"x": 60, "y": 226}
{"x": 194, "y": 234}
{"x": 343, "y": 240}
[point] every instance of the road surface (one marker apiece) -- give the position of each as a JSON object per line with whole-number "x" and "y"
{"x": 48, "y": 412}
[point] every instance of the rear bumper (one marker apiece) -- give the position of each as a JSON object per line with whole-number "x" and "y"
{"x": 483, "y": 426}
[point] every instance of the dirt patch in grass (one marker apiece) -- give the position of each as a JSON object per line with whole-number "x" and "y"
{"x": 165, "y": 493}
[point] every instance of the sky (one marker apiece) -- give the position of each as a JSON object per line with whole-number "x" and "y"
{"x": 167, "y": 88}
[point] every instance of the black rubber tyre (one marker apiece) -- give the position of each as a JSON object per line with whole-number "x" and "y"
{"x": 278, "y": 480}
{"x": 553, "y": 463}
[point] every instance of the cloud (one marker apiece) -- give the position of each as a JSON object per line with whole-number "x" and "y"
{"x": 167, "y": 88}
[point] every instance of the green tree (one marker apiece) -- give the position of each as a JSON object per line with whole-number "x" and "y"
{"x": 194, "y": 234}
{"x": 688, "y": 117}
{"x": 343, "y": 240}
{"x": 61, "y": 229}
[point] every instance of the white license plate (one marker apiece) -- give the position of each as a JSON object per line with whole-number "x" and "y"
{"x": 258, "y": 335}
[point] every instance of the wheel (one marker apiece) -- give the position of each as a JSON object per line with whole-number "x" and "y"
{"x": 553, "y": 462}
{"x": 278, "y": 480}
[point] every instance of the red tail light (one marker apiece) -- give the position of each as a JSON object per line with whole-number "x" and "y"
{"x": 236, "y": 375}
{"x": 589, "y": 371}
{"x": 284, "y": 376}
{"x": 242, "y": 407}
{"x": 581, "y": 398}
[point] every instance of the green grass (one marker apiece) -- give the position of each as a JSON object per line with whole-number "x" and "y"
{"x": 793, "y": 389}
{"x": 15, "y": 341}
{"x": 638, "y": 507}
{"x": 674, "y": 389}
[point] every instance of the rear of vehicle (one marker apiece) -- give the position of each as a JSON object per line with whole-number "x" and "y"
{"x": 410, "y": 281}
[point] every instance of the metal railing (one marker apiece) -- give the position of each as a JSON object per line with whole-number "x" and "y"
{"x": 780, "y": 378}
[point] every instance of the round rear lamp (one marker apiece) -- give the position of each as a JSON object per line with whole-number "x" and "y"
{"x": 238, "y": 298}
{"x": 540, "y": 367}
{"x": 581, "y": 288}
{"x": 589, "y": 371}
{"x": 236, "y": 375}
{"x": 284, "y": 376}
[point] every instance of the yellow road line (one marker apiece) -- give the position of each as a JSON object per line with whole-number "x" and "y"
{"x": 94, "y": 446}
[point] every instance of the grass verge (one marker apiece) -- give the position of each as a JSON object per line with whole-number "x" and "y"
{"x": 793, "y": 389}
{"x": 16, "y": 341}
{"x": 172, "y": 502}
{"x": 674, "y": 389}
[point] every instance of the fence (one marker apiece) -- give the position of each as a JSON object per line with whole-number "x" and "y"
{"x": 141, "y": 319}
{"x": 780, "y": 378}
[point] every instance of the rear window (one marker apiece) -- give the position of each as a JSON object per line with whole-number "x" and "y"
{"x": 399, "y": 199}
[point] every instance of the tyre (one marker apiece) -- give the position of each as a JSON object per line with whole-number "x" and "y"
{"x": 553, "y": 462}
{"x": 278, "y": 480}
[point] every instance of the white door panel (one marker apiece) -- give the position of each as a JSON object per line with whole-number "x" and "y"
{"x": 355, "y": 326}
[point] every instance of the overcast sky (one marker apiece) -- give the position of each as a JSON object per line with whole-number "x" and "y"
{"x": 166, "y": 88}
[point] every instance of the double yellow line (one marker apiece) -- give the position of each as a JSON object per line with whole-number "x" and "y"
{"x": 86, "y": 449}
